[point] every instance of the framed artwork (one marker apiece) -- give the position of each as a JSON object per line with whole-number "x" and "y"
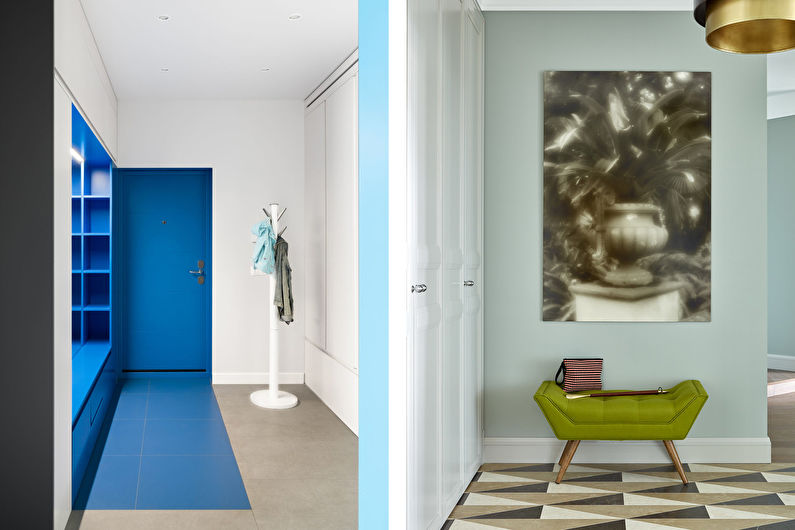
{"x": 627, "y": 196}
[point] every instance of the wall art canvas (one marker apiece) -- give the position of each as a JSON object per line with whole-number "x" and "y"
{"x": 627, "y": 196}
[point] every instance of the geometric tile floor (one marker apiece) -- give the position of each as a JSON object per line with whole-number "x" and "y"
{"x": 628, "y": 496}
{"x": 165, "y": 448}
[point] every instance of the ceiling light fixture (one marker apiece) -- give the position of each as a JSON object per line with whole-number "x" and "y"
{"x": 164, "y": 69}
{"x": 76, "y": 156}
{"x": 294, "y": 16}
{"x": 163, "y": 18}
{"x": 747, "y": 26}
{"x": 264, "y": 69}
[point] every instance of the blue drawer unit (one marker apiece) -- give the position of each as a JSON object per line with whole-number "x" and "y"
{"x": 94, "y": 368}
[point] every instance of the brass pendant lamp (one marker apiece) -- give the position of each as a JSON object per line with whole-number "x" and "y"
{"x": 748, "y": 26}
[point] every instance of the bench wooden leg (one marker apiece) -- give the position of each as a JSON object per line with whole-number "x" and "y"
{"x": 565, "y": 451}
{"x": 565, "y": 458}
{"x": 669, "y": 445}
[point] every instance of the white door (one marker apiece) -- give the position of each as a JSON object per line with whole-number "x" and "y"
{"x": 315, "y": 215}
{"x": 425, "y": 260}
{"x": 342, "y": 200}
{"x": 452, "y": 252}
{"x": 472, "y": 197}
{"x": 444, "y": 235}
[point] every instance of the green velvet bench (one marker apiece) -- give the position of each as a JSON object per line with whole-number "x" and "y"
{"x": 665, "y": 417}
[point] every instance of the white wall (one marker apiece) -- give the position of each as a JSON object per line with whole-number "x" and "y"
{"x": 79, "y": 64}
{"x": 62, "y": 306}
{"x": 728, "y": 354}
{"x": 255, "y": 149}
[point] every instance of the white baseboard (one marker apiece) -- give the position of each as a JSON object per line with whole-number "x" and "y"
{"x": 695, "y": 450}
{"x": 781, "y": 362}
{"x": 256, "y": 378}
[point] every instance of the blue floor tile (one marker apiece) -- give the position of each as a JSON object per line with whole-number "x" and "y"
{"x": 167, "y": 447}
{"x": 114, "y": 486}
{"x": 131, "y": 407}
{"x": 198, "y": 384}
{"x": 190, "y": 405}
{"x": 191, "y": 482}
{"x": 125, "y": 437}
{"x": 186, "y": 437}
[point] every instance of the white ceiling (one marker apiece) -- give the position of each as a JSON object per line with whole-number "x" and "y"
{"x": 216, "y": 49}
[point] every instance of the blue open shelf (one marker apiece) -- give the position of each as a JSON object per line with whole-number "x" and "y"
{"x": 97, "y": 179}
{"x": 97, "y": 255}
{"x": 93, "y": 365}
{"x": 96, "y": 215}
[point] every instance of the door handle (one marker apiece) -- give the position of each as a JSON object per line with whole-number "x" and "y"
{"x": 199, "y": 273}
{"x": 419, "y": 288}
{"x": 468, "y": 283}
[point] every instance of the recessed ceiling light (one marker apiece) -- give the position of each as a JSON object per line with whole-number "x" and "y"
{"x": 294, "y": 16}
{"x": 163, "y": 18}
{"x": 164, "y": 69}
{"x": 264, "y": 69}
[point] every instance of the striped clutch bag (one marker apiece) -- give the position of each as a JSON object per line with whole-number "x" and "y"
{"x": 580, "y": 374}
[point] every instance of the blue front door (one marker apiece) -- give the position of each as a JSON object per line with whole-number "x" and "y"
{"x": 166, "y": 269}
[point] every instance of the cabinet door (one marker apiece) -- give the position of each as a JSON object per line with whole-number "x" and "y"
{"x": 315, "y": 218}
{"x": 452, "y": 253}
{"x": 472, "y": 197}
{"x": 425, "y": 260}
{"x": 342, "y": 199}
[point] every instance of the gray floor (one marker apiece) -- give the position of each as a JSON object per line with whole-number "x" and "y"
{"x": 299, "y": 467}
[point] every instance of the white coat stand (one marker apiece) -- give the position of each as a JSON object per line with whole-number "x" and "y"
{"x": 272, "y": 397}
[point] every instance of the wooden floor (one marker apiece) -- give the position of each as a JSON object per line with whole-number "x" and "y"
{"x": 781, "y": 427}
{"x": 774, "y": 376}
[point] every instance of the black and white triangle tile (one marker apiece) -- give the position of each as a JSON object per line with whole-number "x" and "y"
{"x": 628, "y": 496}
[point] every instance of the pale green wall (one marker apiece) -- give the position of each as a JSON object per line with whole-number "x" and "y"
{"x": 780, "y": 236}
{"x": 728, "y": 354}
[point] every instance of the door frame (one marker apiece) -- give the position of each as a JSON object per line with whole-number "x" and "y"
{"x": 119, "y": 274}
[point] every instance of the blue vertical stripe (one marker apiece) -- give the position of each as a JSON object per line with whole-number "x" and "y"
{"x": 373, "y": 264}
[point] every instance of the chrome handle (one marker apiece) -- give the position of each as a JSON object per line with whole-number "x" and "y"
{"x": 469, "y": 283}
{"x": 419, "y": 288}
{"x": 200, "y": 265}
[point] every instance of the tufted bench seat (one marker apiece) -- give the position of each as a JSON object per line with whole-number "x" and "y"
{"x": 665, "y": 417}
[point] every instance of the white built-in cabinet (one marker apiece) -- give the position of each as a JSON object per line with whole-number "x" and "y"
{"x": 445, "y": 219}
{"x": 331, "y": 205}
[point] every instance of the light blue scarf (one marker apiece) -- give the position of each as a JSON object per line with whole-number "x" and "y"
{"x": 263, "y": 259}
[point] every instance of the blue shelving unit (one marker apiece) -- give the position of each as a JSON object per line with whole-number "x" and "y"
{"x": 93, "y": 367}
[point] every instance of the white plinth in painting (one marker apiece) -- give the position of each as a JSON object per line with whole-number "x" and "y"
{"x": 627, "y": 209}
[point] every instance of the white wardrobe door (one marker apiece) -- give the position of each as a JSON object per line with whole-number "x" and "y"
{"x": 424, "y": 234}
{"x": 315, "y": 219}
{"x": 472, "y": 179}
{"x": 342, "y": 225}
{"x": 452, "y": 254}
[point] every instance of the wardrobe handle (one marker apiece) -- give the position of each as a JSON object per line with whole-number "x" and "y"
{"x": 419, "y": 288}
{"x": 469, "y": 283}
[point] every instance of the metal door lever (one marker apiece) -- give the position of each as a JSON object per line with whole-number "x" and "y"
{"x": 419, "y": 288}
{"x": 469, "y": 283}
{"x": 199, "y": 272}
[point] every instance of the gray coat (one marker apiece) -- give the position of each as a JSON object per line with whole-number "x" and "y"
{"x": 283, "y": 300}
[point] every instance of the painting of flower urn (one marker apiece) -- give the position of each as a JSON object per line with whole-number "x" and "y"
{"x": 627, "y": 196}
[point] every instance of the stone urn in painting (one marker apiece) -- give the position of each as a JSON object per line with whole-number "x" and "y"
{"x": 632, "y": 231}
